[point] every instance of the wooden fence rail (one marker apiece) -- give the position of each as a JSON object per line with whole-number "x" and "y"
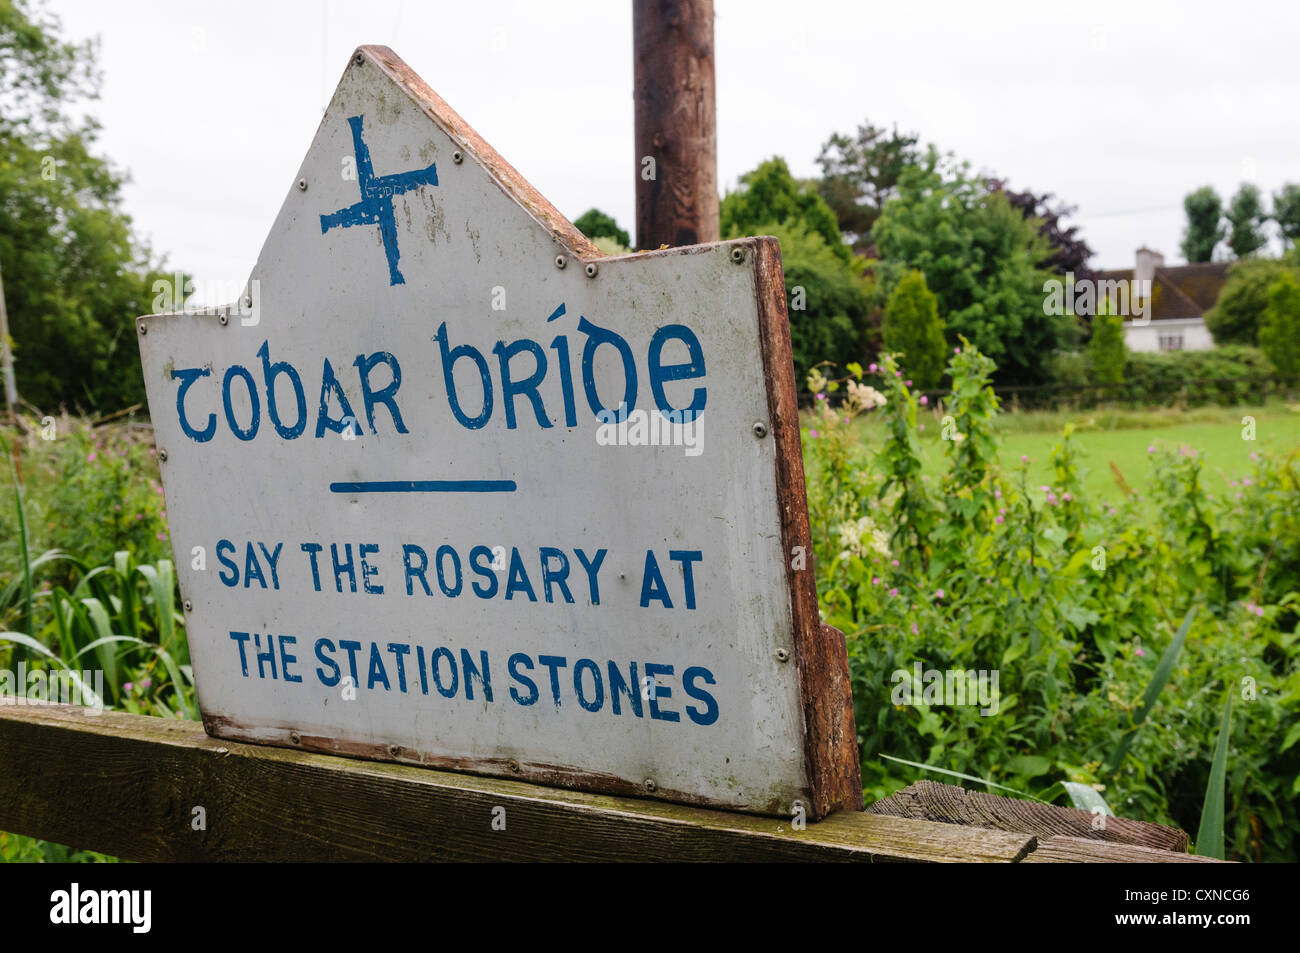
{"x": 154, "y": 789}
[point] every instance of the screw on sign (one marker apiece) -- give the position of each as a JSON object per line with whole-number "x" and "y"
{"x": 371, "y": 570}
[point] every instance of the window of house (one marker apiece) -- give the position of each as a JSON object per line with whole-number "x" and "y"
{"x": 1171, "y": 342}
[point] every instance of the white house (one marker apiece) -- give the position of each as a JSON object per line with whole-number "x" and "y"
{"x": 1180, "y": 296}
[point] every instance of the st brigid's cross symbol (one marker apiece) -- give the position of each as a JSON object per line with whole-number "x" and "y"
{"x": 376, "y": 205}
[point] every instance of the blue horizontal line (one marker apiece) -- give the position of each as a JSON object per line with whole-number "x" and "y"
{"x": 426, "y": 486}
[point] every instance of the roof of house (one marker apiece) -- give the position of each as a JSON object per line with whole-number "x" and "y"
{"x": 1180, "y": 291}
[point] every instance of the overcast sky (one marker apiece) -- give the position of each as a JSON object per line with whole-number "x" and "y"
{"x": 1119, "y": 108}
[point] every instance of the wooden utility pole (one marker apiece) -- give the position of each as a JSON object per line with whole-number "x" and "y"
{"x": 676, "y": 122}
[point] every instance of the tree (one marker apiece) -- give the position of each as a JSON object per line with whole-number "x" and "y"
{"x": 830, "y": 301}
{"x": 982, "y": 259}
{"x": 860, "y": 174}
{"x": 770, "y": 195}
{"x": 596, "y": 224}
{"x": 1070, "y": 254}
{"x": 76, "y": 277}
{"x": 1106, "y": 350}
{"x": 1286, "y": 212}
{"x": 830, "y": 298}
{"x": 1247, "y": 217}
{"x": 1279, "y": 331}
{"x": 1205, "y": 229}
{"x": 1235, "y": 317}
{"x": 913, "y": 328}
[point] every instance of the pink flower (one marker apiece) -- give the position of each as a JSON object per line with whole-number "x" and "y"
{"x": 938, "y": 593}
{"x": 921, "y": 427}
{"x": 893, "y": 591}
{"x": 1250, "y": 607}
{"x": 813, "y": 434}
{"x": 1023, "y": 458}
{"x": 1259, "y": 610}
{"x": 909, "y": 383}
{"x": 91, "y": 458}
{"x": 1139, "y": 653}
{"x": 1151, "y": 449}
{"x": 1000, "y": 519}
{"x": 915, "y": 630}
{"x": 1245, "y": 481}
{"x": 1112, "y": 511}
{"x": 898, "y": 373}
{"x": 152, "y": 452}
{"x": 875, "y": 580}
{"x": 872, "y": 368}
{"x": 848, "y": 420}
{"x": 1067, "y": 497}
{"x": 997, "y": 495}
{"x": 821, "y": 396}
{"x": 1253, "y": 455}
{"x": 924, "y": 400}
{"x": 128, "y": 687}
{"x": 895, "y": 562}
{"x": 145, "y": 682}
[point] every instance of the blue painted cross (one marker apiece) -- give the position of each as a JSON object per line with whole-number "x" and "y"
{"x": 376, "y": 205}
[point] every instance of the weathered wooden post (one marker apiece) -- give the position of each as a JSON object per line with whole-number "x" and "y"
{"x": 676, "y": 112}
{"x": 6, "y": 358}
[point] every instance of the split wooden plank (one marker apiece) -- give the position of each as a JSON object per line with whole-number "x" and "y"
{"x": 931, "y": 801}
{"x": 1079, "y": 850}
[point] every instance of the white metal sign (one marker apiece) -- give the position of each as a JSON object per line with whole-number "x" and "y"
{"x": 446, "y": 487}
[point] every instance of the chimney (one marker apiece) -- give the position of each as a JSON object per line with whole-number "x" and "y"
{"x": 1147, "y": 263}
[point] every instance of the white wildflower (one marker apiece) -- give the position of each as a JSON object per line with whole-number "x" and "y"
{"x": 862, "y": 537}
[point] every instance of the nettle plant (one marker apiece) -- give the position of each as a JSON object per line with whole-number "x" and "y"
{"x": 1118, "y": 632}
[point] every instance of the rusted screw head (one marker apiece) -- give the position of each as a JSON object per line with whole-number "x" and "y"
{"x": 162, "y": 455}
{"x": 650, "y": 785}
{"x": 738, "y": 255}
{"x": 295, "y": 737}
{"x": 560, "y": 261}
{"x": 458, "y": 157}
{"x": 144, "y": 328}
{"x": 394, "y": 750}
{"x": 760, "y": 429}
{"x": 302, "y": 185}
{"x": 513, "y": 765}
{"x": 188, "y": 605}
{"x": 359, "y": 58}
{"x": 223, "y": 319}
{"x": 591, "y": 269}
{"x": 783, "y": 655}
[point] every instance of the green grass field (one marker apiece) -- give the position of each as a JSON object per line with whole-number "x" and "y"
{"x": 1122, "y": 437}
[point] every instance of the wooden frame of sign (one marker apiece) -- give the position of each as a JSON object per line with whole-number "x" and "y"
{"x": 788, "y": 742}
